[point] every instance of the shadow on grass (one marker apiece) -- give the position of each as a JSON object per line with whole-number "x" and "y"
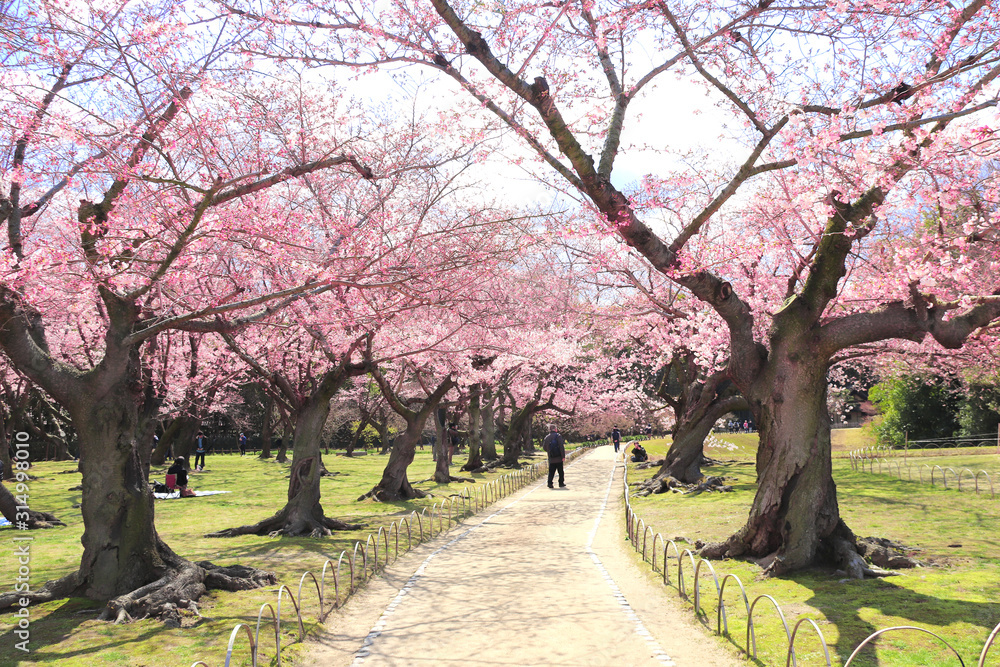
{"x": 843, "y": 603}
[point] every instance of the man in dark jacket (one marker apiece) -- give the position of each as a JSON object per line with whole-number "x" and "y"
{"x": 555, "y": 446}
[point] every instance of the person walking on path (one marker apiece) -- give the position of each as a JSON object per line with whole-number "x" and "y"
{"x": 199, "y": 451}
{"x": 556, "y": 448}
{"x": 616, "y": 437}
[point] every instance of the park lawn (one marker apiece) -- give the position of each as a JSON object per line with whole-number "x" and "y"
{"x": 67, "y": 633}
{"x": 955, "y": 596}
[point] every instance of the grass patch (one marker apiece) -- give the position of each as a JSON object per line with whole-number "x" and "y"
{"x": 954, "y": 533}
{"x": 66, "y": 633}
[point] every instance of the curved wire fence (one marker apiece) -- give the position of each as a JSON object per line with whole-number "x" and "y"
{"x": 374, "y": 556}
{"x": 641, "y": 535}
{"x": 874, "y": 460}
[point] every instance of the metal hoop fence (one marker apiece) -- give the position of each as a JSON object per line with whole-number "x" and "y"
{"x": 639, "y": 533}
{"x": 867, "y": 460}
{"x": 470, "y": 501}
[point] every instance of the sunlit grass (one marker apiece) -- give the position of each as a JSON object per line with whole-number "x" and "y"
{"x": 955, "y": 596}
{"x": 66, "y": 633}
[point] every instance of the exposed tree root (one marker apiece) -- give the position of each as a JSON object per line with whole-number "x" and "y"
{"x": 36, "y": 519}
{"x": 472, "y": 465}
{"x": 489, "y": 465}
{"x": 55, "y": 589}
{"x": 886, "y": 553}
{"x": 662, "y": 484}
{"x": 291, "y": 524}
{"x": 383, "y": 495}
{"x": 840, "y": 548}
{"x": 464, "y": 480}
{"x": 451, "y": 478}
{"x": 179, "y": 586}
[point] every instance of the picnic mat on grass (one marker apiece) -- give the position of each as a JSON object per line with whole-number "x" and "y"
{"x": 177, "y": 494}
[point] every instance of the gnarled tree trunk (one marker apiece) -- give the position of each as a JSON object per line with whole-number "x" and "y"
{"x": 489, "y": 432}
{"x": 124, "y": 560}
{"x": 794, "y": 520}
{"x": 394, "y": 484}
{"x": 303, "y": 513}
{"x": 514, "y": 437}
{"x": 687, "y": 451}
{"x": 267, "y": 429}
{"x": 528, "y": 445}
{"x": 177, "y": 439}
{"x": 357, "y": 435}
{"x": 286, "y": 437}
{"x": 442, "y": 463}
{"x": 475, "y": 430}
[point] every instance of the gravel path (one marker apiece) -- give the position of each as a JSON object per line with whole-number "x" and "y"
{"x": 541, "y": 578}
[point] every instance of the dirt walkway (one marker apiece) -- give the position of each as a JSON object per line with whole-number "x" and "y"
{"x": 542, "y": 579}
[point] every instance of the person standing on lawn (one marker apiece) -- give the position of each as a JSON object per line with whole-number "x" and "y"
{"x": 555, "y": 446}
{"x": 199, "y": 451}
{"x": 243, "y": 444}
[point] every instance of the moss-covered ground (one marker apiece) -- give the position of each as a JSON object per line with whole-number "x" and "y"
{"x": 956, "y": 594}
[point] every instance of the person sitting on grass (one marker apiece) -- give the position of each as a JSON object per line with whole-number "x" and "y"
{"x": 180, "y": 477}
{"x": 639, "y": 454}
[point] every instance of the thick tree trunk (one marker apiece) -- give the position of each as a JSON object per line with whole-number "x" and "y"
{"x": 5, "y": 447}
{"x": 515, "y": 433}
{"x": 528, "y": 445}
{"x": 794, "y": 521}
{"x": 124, "y": 560}
{"x": 303, "y": 513}
{"x": 267, "y": 429}
{"x": 395, "y": 485}
{"x": 683, "y": 460}
{"x": 489, "y": 436}
{"x": 9, "y": 505}
{"x": 442, "y": 467}
{"x": 382, "y": 425}
{"x": 179, "y": 437}
{"x": 286, "y": 437}
{"x": 357, "y": 435}
{"x": 159, "y": 455}
{"x": 687, "y": 451}
{"x": 475, "y": 431}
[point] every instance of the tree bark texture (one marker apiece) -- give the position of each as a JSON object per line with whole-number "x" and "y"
{"x": 475, "y": 430}
{"x": 267, "y": 429}
{"x": 303, "y": 513}
{"x": 124, "y": 561}
{"x": 489, "y": 432}
{"x": 395, "y": 484}
{"x": 687, "y": 450}
{"x": 353, "y": 443}
{"x": 177, "y": 439}
{"x": 514, "y": 437}
{"x": 442, "y": 464}
{"x": 794, "y": 518}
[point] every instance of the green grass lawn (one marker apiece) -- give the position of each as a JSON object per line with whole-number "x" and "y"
{"x": 66, "y": 632}
{"x": 957, "y": 595}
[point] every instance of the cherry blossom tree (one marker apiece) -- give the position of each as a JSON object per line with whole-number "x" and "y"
{"x": 845, "y": 122}
{"x": 307, "y": 394}
{"x": 415, "y": 408}
{"x": 145, "y": 188}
